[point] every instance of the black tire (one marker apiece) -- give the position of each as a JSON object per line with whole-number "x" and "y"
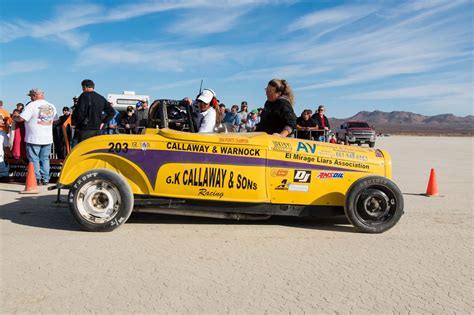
{"x": 100, "y": 200}
{"x": 371, "y": 144}
{"x": 374, "y": 204}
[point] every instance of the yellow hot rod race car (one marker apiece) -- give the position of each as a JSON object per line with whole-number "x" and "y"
{"x": 226, "y": 175}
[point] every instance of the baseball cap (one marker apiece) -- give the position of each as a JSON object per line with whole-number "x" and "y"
{"x": 254, "y": 111}
{"x": 35, "y": 91}
{"x": 206, "y": 96}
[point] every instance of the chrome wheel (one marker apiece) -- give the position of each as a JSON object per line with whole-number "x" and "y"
{"x": 98, "y": 201}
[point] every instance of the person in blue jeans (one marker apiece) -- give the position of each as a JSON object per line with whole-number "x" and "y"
{"x": 38, "y": 116}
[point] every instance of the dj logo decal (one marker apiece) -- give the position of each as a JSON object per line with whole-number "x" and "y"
{"x": 302, "y": 176}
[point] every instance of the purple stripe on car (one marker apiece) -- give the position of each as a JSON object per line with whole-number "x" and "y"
{"x": 151, "y": 160}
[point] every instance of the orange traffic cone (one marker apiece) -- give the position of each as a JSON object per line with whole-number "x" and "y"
{"x": 432, "y": 189}
{"x": 31, "y": 187}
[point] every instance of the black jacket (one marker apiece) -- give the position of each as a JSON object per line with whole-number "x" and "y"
{"x": 276, "y": 116}
{"x": 91, "y": 111}
{"x": 317, "y": 119}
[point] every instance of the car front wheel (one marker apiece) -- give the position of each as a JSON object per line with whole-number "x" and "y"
{"x": 100, "y": 200}
{"x": 374, "y": 204}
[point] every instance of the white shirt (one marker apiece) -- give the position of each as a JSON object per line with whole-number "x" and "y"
{"x": 39, "y": 116}
{"x": 3, "y": 143}
{"x": 208, "y": 121}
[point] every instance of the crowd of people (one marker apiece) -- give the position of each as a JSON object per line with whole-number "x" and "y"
{"x": 30, "y": 130}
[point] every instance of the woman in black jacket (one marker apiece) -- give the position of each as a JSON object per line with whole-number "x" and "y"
{"x": 278, "y": 117}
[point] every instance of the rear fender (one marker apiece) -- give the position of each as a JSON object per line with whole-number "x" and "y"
{"x": 135, "y": 177}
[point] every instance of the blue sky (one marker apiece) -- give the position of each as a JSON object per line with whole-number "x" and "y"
{"x": 349, "y": 55}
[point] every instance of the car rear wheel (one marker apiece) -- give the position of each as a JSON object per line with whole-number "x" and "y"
{"x": 100, "y": 200}
{"x": 374, "y": 204}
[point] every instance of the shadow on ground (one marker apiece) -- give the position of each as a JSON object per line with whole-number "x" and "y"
{"x": 42, "y": 212}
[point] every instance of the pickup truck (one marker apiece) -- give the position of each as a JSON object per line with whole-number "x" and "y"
{"x": 358, "y": 132}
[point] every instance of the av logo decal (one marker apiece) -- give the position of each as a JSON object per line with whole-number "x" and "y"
{"x": 306, "y": 147}
{"x": 302, "y": 176}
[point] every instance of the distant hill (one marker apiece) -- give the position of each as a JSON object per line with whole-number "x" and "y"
{"x": 410, "y": 123}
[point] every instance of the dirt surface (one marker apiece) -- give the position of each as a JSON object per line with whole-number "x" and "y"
{"x": 165, "y": 264}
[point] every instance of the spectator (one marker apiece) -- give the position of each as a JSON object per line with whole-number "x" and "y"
{"x": 252, "y": 122}
{"x": 58, "y": 135}
{"x": 278, "y": 117}
{"x": 332, "y": 139}
{"x": 233, "y": 117}
{"x": 208, "y": 104}
{"x": 128, "y": 121}
{"x": 5, "y": 118}
{"x": 305, "y": 125}
{"x": 20, "y": 107}
{"x": 322, "y": 122}
{"x": 91, "y": 113}
{"x": 222, "y": 109}
{"x": 38, "y": 116}
{"x": 17, "y": 138}
{"x": 3, "y": 144}
{"x": 113, "y": 125}
{"x": 243, "y": 115}
{"x": 205, "y": 111}
{"x": 142, "y": 113}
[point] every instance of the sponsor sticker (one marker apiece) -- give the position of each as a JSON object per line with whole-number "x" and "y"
{"x": 327, "y": 175}
{"x": 283, "y": 185}
{"x": 281, "y": 146}
{"x": 302, "y": 176}
{"x": 298, "y": 187}
{"x": 279, "y": 173}
{"x": 306, "y": 147}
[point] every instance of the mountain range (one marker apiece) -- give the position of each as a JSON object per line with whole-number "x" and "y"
{"x": 399, "y": 122}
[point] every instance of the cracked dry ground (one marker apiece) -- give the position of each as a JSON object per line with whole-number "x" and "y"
{"x": 158, "y": 264}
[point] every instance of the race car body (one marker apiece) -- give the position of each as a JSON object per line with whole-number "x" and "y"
{"x": 236, "y": 175}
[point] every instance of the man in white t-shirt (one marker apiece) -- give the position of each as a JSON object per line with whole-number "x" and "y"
{"x": 38, "y": 117}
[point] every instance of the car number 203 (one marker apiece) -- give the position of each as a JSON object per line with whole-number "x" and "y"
{"x": 118, "y": 147}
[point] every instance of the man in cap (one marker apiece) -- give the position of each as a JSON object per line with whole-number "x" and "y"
{"x": 91, "y": 113}
{"x": 38, "y": 116}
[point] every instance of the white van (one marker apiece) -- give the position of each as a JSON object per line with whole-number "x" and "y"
{"x": 127, "y": 98}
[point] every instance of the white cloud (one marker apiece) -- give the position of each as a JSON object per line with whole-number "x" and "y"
{"x": 177, "y": 84}
{"x": 290, "y": 71}
{"x": 206, "y": 22}
{"x": 74, "y": 16}
{"x": 23, "y": 66}
{"x": 340, "y": 15}
{"x": 159, "y": 57}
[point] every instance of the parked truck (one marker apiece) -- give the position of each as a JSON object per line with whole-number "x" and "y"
{"x": 356, "y": 132}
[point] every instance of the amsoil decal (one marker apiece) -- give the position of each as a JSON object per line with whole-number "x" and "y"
{"x": 302, "y": 176}
{"x": 325, "y": 175}
{"x": 211, "y": 177}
